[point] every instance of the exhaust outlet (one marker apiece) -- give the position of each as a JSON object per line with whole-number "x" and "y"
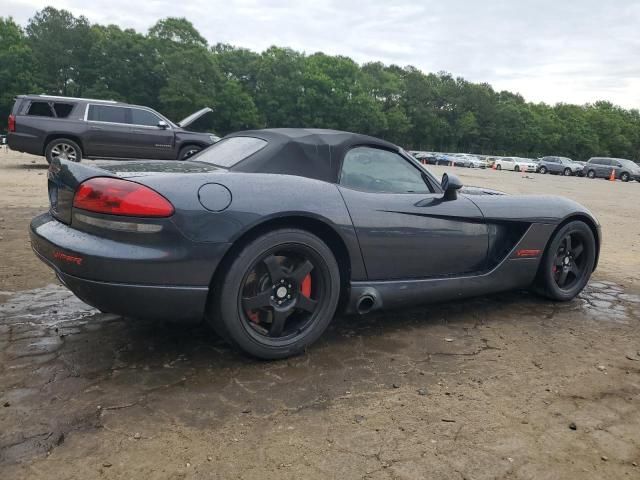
{"x": 365, "y": 304}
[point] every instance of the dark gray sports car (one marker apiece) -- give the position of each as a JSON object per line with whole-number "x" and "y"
{"x": 268, "y": 233}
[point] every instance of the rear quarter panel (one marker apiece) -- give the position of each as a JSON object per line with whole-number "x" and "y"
{"x": 255, "y": 200}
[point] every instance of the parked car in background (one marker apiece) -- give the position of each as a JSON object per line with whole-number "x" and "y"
{"x": 601, "y": 167}
{"x": 473, "y": 161}
{"x": 69, "y": 128}
{"x": 562, "y": 165}
{"x": 516, "y": 164}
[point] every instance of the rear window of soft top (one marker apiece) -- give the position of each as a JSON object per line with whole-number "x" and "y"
{"x": 230, "y": 151}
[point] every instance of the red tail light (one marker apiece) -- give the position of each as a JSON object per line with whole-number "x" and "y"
{"x": 116, "y": 196}
{"x": 11, "y": 123}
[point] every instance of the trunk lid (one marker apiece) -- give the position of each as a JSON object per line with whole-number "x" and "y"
{"x": 64, "y": 177}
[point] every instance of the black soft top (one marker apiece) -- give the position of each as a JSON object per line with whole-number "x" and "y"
{"x": 306, "y": 152}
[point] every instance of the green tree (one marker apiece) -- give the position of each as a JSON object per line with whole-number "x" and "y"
{"x": 16, "y": 62}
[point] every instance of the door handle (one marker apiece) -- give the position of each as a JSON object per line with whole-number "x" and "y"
{"x": 96, "y": 128}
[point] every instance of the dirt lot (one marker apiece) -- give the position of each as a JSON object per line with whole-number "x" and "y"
{"x": 508, "y": 386}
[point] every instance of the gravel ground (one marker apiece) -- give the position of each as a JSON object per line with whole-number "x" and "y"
{"x": 507, "y": 386}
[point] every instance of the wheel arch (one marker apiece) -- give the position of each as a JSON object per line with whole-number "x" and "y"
{"x": 190, "y": 143}
{"x": 318, "y": 227}
{"x": 54, "y": 136}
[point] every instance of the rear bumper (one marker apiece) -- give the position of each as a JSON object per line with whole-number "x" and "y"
{"x": 23, "y": 142}
{"x": 137, "y": 299}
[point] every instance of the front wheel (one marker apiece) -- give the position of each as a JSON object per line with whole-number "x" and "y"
{"x": 516, "y": 168}
{"x": 591, "y": 174}
{"x": 567, "y": 172}
{"x": 543, "y": 170}
{"x": 63, "y": 149}
{"x": 568, "y": 262}
{"x": 278, "y": 296}
{"x": 624, "y": 177}
{"x": 188, "y": 151}
{"x": 499, "y": 167}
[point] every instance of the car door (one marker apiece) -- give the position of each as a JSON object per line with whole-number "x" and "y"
{"x": 552, "y": 165}
{"x": 148, "y": 137}
{"x": 603, "y": 167}
{"x": 508, "y": 163}
{"x": 617, "y": 166}
{"x": 107, "y": 130}
{"x": 404, "y": 227}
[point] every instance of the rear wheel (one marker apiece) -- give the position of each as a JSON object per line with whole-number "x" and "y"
{"x": 624, "y": 177}
{"x": 591, "y": 174}
{"x": 63, "y": 149}
{"x": 188, "y": 151}
{"x": 567, "y": 172}
{"x": 568, "y": 262}
{"x": 499, "y": 167}
{"x": 516, "y": 168}
{"x": 278, "y": 296}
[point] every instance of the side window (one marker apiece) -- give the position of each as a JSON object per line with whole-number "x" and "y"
{"x": 104, "y": 113}
{"x": 63, "y": 110}
{"x": 604, "y": 161}
{"x": 615, "y": 163}
{"x": 144, "y": 117}
{"x": 40, "y": 109}
{"x": 381, "y": 171}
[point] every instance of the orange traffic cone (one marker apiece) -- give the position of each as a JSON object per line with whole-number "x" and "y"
{"x": 493, "y": 167}
{"x": 612, "y": 177}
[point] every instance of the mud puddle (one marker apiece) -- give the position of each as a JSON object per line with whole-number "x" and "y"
{"x": 67, "y": 368}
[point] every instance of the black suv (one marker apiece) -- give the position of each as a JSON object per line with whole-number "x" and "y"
{"x": 73, "y": 128}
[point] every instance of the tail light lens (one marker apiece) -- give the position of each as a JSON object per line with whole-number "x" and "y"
{"x": 116, "y": 196}
{"x": 11, "y": 124}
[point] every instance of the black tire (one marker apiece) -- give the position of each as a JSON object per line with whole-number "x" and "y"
{"x": 188, "y": 151}
{"x": 516, "y": 168}
{"x": 499, "y": 167}
{"x": 625, "y": 177}
{"x": 591, "y": 174}
{"x": 567, "y": 266}
{"x": 246, "y": 308}
{"x": 543, "y": 170}
{"x": 567, "y": 172}
{"x": 63, "y": 149}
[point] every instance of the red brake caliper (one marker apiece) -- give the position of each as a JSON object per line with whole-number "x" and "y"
{"x": 305, "y": 288}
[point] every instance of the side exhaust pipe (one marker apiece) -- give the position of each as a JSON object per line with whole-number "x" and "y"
{"x": 365, "y": 304}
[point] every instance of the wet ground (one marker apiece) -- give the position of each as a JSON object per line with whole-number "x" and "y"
{"x": 479, "y": 389}
{"x": 509, "y": 386}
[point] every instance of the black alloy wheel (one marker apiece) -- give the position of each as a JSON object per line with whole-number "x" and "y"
{"x": 277, "y": 298}
{"x": 568, "y": 262}
{"x": 279, "y": 294}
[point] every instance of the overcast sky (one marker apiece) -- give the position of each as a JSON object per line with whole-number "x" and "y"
{"x": 573, "y": 51}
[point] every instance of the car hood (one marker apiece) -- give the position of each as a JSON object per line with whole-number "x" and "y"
{"x": 470, "y": 190}
{"x": 185, "y": 122}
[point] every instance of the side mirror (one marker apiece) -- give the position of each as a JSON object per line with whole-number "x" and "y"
{"x": 450, "y": 184}
{"x": 163, "y": 125}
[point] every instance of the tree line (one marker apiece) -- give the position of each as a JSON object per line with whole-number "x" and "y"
{"x": 174, "y": 70}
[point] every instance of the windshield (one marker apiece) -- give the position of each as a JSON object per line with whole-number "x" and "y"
{"x": 229, "y": 151}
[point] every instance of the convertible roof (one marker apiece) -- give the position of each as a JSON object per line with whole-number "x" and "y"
{"x": 306, "y": 152}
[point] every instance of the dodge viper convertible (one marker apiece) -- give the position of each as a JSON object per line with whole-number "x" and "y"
{"x": 268, "y": 233}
